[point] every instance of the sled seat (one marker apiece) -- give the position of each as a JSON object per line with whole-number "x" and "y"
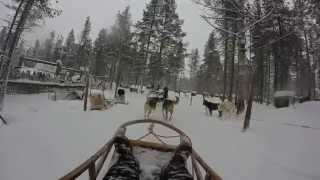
{"x": 150, "y": 161}
{"x": 150, "y": 155}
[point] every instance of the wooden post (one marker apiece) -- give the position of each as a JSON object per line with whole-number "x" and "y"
{"x": 86, "y": 92}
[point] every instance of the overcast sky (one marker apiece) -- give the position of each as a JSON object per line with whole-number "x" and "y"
{"x": 103, "y": 13}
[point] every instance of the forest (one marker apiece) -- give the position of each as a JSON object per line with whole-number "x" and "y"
{"x": 265, "y": 44}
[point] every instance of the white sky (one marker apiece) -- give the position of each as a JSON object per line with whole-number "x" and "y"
{"x": 103, "y": 13}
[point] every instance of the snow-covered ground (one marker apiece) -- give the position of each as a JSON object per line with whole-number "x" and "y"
{"x": 45, "y": 139}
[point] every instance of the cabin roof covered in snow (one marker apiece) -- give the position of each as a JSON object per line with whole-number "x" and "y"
{"x": 283, "y": 94}
{"x": 215, "y": 100}
{"x": 39, "y": 67}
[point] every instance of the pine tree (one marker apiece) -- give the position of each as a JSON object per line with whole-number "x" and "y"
{"x": 58, "y": 49}
{"x": 194, "y": 64}
{"x": 123, "y": 36}
{"x": 70, "y": 42}
{"x": 70, "y": 49}
{"x": 85, "y": 45}
{"x": 20, "y": 51}
{"x": 170, "y": 41}
{"x": 36, "y": 48}
{"x": 49, "y": 46}
{"x": 100, "y": 50}
{"x": 212, "y": 65}
{"x": 147, "y": 35}
{"x": 159, "y": 34}
{"x": 3, "y": 34}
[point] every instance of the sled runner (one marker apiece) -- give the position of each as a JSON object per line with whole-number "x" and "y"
{"x": 150, "y": 155}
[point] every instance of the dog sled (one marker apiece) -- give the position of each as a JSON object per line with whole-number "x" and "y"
{"x": 144, "y": 150}
{"x": 121, "y": 97}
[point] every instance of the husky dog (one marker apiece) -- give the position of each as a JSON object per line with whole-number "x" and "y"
{"x": 150, "y": 105}
{"x": 210, "y": 106}
{"x": 227, "y": 108}
{"x": 168, "y": 107}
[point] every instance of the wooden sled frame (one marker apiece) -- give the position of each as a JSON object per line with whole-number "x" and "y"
{"x": 95, "y": 163}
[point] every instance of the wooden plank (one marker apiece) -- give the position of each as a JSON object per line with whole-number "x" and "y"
{"x": 196, "y": 169}
{"x": 92, "y": 171}
{"x": 85, "y": 165}
{"x": 103, "y": 159}
{"x": 205, "y": 166}
{"x": 155, "y": 146}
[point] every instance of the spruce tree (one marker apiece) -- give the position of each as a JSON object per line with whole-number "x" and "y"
{"x": 212, "y": 66}
{"x": 3, "y": 34}
{"x": 70, "y": 50}
{"x": 36, "y": 48}
{"x": 194, "y": 63}
{"x": 100, "y": 50}
{"x": 85, "y": 45}
{"x": 58, "y": 49}
{"x": 159, "y": 35}
{"x": 49, "y": 46}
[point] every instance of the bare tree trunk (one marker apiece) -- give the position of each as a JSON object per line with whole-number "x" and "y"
{"x": 111, "y": 73}
{"x": 5, "y": 67}
{"x": 311, "y": 75}
{"x": 308, "y": 63}
{"x": 246, "y": 123}
{"x": 6, "y": 43}
{"x": 118, "y": 74}
{"x": 269, "y": 80}
{"x": 225, "y": 68}
{"x": 232, "y": 68}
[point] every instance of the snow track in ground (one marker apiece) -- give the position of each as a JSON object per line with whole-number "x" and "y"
{"x": 46, "y": 139}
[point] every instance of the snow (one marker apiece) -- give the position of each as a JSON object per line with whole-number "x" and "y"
{"x": 46, "y": 139}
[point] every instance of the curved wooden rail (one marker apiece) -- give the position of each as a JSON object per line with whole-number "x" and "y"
{"x": 88, "y": 164}
{"x": 143, "y": 121}
{"x": 95, "y": 163}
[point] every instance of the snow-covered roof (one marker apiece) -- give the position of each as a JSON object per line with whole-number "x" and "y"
{"x": 172, "y": 94}
{"x": 39, "y": 67}
{"x": 284, "y": 94}
{"x": 26, "y": 69}
{"x": 45, "y": 68}
{"x": 172, "y": 98}
{"x": 215, "y": 100}
{"x": 134, "y": 86}
{"x": 152, "y": 95}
